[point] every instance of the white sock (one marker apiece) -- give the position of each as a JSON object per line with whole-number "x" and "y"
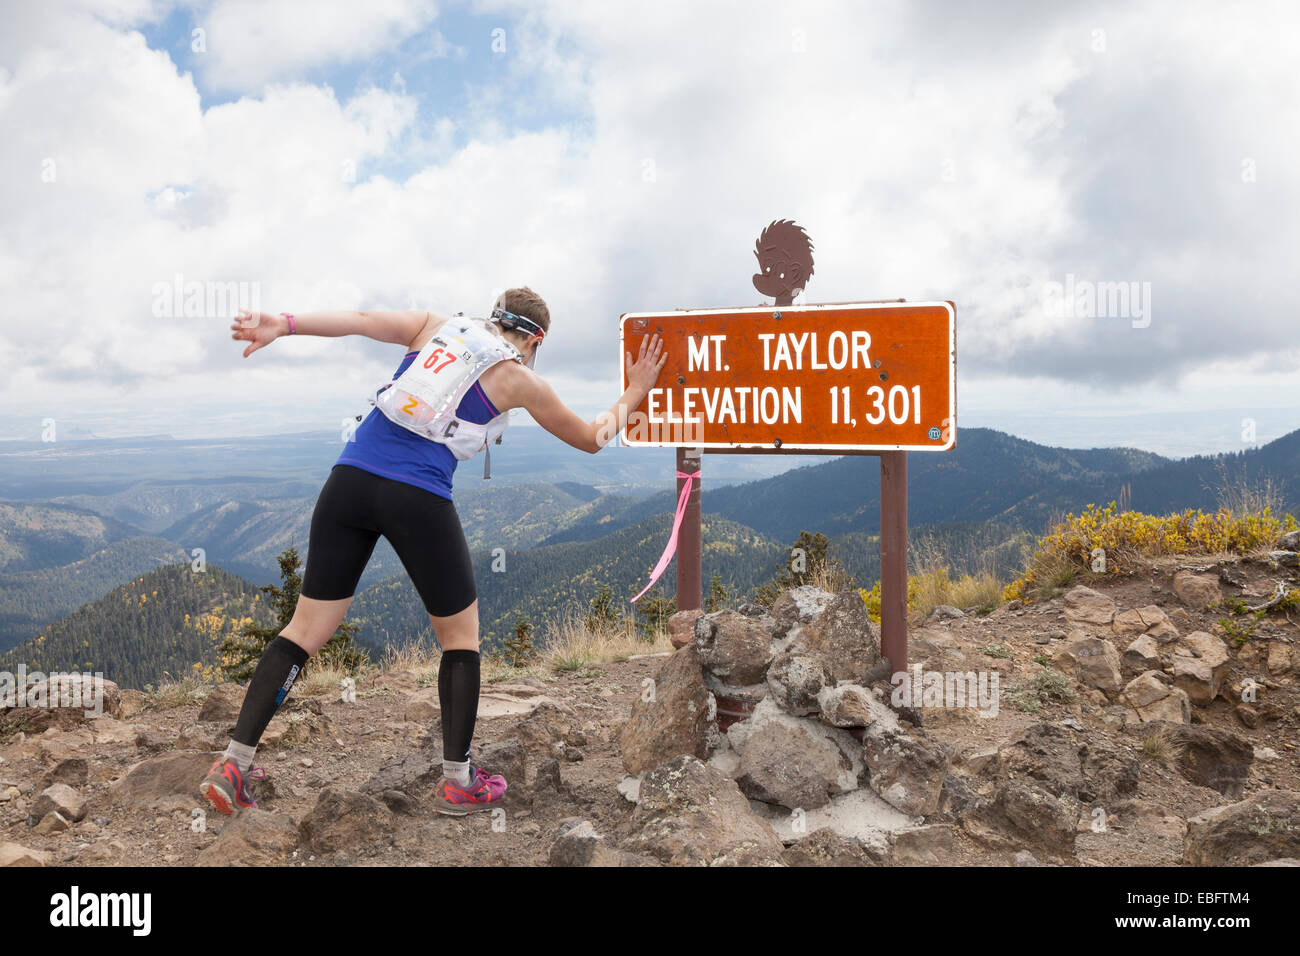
{"x": 241, "y": 754}
{"x": 457, "y": 771}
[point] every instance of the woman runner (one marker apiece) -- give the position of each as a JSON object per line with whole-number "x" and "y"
{"x": 449, "y": 398}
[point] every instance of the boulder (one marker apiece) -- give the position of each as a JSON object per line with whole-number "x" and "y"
{"x": 1209, "y": 757}
{"x": 796, "y": 607}
{"x": 1139, "y": 620}
{"x": 1261, "y": 828}
{"x": 681, "y": 627}
{"x": 825, "y": 847}
{"x": 132, "y": 703}
{"x": 74, "y": 771}
{"x": 1198, "y": 591}
{"x": 1065, "y": 762}
{"x": 789, "y": 766}
{"x": 843, "y": 638}
{"x": 344, "y": 819}
{"x": 795, "y": 681}
{"x": 669, "y": 719}
{"x": 691, "y": 814}
{"x": 58, "y": 798}
{"x": 1152, "y": 699}
{"x": 53, "y": 822}
{"x": 1289, "y": 541}
{"x": 1092, "y": 661}
{"x": 1083, "y": 605}
{"x": 222, "y": 704}
{"x": 109, "y": 731}
{"x": 925, "y": 845}
{"x": 169, "y": 781}
{"x": 507, "y": 758}
{"x": 1020, "y": 814}
{"x": 581, "y": 845}
{"x": 1199, "y": 665}
{"x": 734, "y": 648}
{"x": 550, "y": 723}
{"x": 907, "y": 771}
{"x": 1279, "y": 658}
{"x": 1143, "y": 654}
{"x": 412, "y": 773}
{"x": 65, "y": 702}
{"x": 945, "y": 612}
{"x": 849, "y": 705}
{"x": 253, "y": 837}
{"x": 14, "y": 854}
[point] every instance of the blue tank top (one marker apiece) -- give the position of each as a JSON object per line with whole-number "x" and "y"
{"x": 384, "y": 448}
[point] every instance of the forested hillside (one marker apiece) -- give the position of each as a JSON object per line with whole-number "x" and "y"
{"x": 162, "y": 622}
{"x": 42, "y": 535}
{"x": 54, "y": 558}
{"x": 541, "y": 583}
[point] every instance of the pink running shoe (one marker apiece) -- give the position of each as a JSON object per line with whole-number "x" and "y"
{"x": 484, "y": 792}
{"x": 227, "y": 788}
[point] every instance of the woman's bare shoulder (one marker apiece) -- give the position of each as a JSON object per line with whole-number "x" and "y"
{"x": 508, "y": 384}
{"x": 432, "y": 323}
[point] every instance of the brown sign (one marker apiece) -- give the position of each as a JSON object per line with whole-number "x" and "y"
{"x": 866, "y": 376}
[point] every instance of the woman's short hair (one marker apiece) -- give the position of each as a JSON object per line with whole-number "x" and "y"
{"x": 524, "y": 301}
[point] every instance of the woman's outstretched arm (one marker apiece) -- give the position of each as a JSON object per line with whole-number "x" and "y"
{"x": 260, "y": 329}
{"x": 533, "y": 393}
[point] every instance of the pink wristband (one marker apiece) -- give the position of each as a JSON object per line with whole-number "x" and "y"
{"x": 293, "y": 326}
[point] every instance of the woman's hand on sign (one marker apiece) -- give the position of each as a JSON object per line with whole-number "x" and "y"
{"x": 644, "y": 369}
{"x": 259, "y": 329}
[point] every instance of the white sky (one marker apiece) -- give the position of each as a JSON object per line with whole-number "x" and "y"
{"x": 623, "y": 157}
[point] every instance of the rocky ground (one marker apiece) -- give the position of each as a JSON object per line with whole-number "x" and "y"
{"x": 1130, "y": 729}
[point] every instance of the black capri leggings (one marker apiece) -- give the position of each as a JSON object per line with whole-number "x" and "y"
{"x": 355, "y": 507}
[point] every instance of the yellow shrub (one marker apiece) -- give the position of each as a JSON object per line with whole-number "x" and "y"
{"x": 1123, "y": 537}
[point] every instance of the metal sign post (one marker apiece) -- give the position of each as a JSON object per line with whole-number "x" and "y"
{"x": 875, "y": 378}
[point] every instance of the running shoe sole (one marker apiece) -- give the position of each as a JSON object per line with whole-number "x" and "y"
{"x": 214, "y": 795}
{"x": 448, "y": 809}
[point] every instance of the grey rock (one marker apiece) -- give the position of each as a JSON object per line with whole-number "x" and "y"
{"x": 791, "y": 767}
{"x": 733, "y": 647}
{"x": 907, "y": 771}
{"x": 691, "y": 814}
{"x": 673, "y": 720}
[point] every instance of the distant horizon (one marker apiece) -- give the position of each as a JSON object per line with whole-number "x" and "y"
{"x": 1262, "y": 439}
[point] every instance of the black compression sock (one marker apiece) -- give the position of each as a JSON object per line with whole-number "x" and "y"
{"x": 280, "y": 665}
{"x": 458, "y": 680}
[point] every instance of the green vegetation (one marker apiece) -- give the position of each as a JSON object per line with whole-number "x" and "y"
{"x": 1075, "y": 544}
{"x": 518, "y": 651}
{"x": 811, "y": 561}
{"x": 239, "y": 653}
{"x": 169, "y": 621}
{"x": 1044, "y": 686}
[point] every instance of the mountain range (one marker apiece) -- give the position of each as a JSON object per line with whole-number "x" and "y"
{"x": 80, "y": 519}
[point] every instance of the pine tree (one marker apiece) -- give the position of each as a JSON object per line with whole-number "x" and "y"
{"x": 240, "y": 653}
{"x": 717, "y": 594}
{"x": 655, "y": 610}
{"x": 601, "y": 615}
{"x": 811, "y": 561}
{"x": 518, "y": 651}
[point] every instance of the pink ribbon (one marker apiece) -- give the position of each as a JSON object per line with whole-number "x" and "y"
{"x": 671, "y": 547}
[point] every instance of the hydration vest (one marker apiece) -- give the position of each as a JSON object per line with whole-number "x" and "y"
{"x": 424, "y": 398}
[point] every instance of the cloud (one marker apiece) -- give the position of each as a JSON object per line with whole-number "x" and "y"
{"x": 250, "y": 43}
{"x": 930, "y": 152}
